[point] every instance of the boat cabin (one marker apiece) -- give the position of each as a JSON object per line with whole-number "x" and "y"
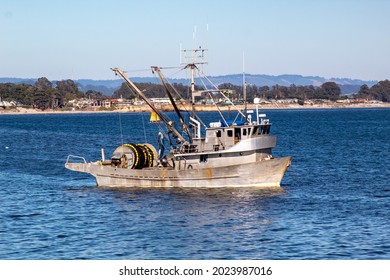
{"x": 219, "y": 137}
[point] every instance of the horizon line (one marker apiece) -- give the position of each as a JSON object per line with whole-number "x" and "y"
{"x": 222, "y": 75}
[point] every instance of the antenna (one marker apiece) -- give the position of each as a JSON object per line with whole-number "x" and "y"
{"x": 244, "y": 83}
{"x": 243, "y": 71}
{"x": 180, "y": 53}
{"x": 194, "y": 37}
{"x": 207, "y": 34}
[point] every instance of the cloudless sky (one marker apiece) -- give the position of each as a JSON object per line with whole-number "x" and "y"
{"x": 82, "y": 39}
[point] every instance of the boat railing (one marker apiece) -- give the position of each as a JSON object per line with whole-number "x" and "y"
{"x": 75, "y": 157}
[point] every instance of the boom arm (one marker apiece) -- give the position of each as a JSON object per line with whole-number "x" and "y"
{"x": 139, "y": 92}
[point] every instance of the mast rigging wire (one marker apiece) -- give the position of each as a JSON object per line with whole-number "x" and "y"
{"x": 235, "y": 107}
{"x": 120, "y": 128}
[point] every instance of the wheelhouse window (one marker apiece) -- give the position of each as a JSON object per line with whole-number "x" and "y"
{"x": 203, "y": 158}
{"x": 264, "y": 129}
{"x": 255, "y": 130}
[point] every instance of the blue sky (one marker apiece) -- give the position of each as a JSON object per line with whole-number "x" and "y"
{"x": 83, "y": 39}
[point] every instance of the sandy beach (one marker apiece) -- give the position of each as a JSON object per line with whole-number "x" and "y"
{"x": 199, "y": 108}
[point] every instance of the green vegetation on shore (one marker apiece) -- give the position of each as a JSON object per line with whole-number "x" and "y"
{"x": 43, "y": 95}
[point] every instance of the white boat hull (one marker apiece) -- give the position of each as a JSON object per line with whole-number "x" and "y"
{"x": 265, "y": 173}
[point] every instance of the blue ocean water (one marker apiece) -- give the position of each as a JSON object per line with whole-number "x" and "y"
{"x": 334, "y": 203}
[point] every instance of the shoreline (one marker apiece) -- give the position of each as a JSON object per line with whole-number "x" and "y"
{"x": 199, "y": 108}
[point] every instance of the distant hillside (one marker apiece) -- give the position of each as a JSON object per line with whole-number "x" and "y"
{"x": 18, "y": 81}
{"x": 109, "y": 86}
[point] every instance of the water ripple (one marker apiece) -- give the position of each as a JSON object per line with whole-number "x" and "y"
{"x": 334, "y": 203}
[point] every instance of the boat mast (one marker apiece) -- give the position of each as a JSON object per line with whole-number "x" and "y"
{"x": 195, "y": 54}
{"x": 140, "y": 93}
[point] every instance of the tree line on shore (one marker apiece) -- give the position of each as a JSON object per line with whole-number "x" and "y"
{"x": 43, "y": 95}
{"x": 328, "y": 90}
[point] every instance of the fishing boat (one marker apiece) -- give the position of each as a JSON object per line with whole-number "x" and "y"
{"x": 224, "y": 153}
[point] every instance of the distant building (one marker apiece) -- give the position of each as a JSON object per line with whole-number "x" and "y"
{"x": 160, "y": 101}
{"x": 7, "y": 104}
{"x": 287, "y": 101}
{"x": 119, "y": 103}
